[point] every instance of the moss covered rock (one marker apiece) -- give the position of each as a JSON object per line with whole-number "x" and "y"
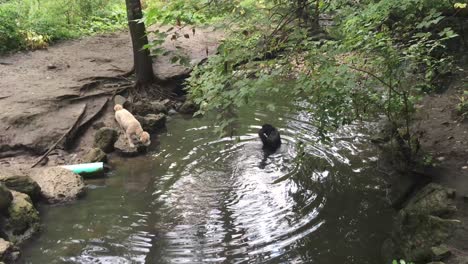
{"x": 23, "y": 184}
{"x": 95, "y": 155}
{"x": 23, "y": 218}
{"x": 424, "y": 224}
{"x": 105, "y": 139}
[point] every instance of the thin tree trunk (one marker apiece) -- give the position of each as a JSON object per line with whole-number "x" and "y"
{"x": 142, "y": 60}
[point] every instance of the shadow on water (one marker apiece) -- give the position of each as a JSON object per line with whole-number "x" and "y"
{"x": 203, "y": 199}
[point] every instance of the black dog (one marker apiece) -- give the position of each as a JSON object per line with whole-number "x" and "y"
{"x": 270, "y": 137}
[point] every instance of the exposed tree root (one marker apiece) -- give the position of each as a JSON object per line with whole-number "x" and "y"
{"x": 89, "y": 96}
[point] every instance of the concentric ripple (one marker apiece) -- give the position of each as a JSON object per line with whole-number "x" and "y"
{"x": 204, "y": 199}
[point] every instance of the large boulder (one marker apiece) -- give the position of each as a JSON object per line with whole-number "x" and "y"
{"x": 23, "y": 218}
{"x": 95, "y": 155}
{"x": 23, "y": 184}
{"x": 105, "y": 139}
{"x": 424, "y": 224}
{"x": 5, "y": 198}
{"x": 59, "y": 184}
{"x": 152, "y": 122}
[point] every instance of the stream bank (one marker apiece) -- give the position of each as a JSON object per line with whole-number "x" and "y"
{"x": 431, "y": 201}
{"x": 63, "y": 96}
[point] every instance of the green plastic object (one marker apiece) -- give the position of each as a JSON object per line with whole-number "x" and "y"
{"x": 86, "y": 169}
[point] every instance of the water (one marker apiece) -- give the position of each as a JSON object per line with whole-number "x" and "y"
{"x": 197, "y": 198}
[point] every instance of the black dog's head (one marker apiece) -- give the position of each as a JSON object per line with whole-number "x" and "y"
{"x": 267, "y": 129}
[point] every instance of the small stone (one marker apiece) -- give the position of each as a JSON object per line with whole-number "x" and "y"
{"x": 105, "y": 139}
{"x": 95, "y": 155}
{"x": 158, "y": 107}
{"x": 465, "y": 168}
{"x": 188, "y": 107}
{"x": 440, "y": 252}
{"x": 441, "y": 158}
{"x": 51, "y": 67}
{"x": 172, "y": 112}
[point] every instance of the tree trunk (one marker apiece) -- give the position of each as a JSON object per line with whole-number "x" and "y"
{"x": 142, "y": 60}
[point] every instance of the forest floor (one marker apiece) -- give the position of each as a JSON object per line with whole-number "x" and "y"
{"x": 43, "y": 92}
{"x": 444, "y": 136}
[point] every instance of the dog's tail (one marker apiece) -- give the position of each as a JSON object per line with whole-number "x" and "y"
{"x": 118, "y": 107}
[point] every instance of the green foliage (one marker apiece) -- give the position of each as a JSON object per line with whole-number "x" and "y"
{"x": 33, "y": 23}
{"x": 10, "y": 36}
{"x": 462, "y": 105}
{"x": 385, "y": 56}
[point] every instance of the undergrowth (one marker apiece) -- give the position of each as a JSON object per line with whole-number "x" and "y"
{"x": 33, "y": 24}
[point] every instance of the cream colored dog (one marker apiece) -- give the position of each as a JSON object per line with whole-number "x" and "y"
{"x": 131, "y": 126}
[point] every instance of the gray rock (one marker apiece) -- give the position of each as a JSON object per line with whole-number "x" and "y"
{"x": 188, "y": 107}
{"x": 433, "y": 199}
{"x": 440, "y": 252}
{"x": 95, "y": 155}
{"x": 152, "y": 122}
{"x": 59, "y": 184}
{"x": 424, "y": 224}
{"x": 159, "y": 107}
{"x": 23, "y": 184}
{"x": 105, "y": 139}
{"x": 8, "y": 251}
{"x": 23, "y": 220}
{"x": 144, "y": 108}
{"x": 5, "y": 197}
{"x": 172, "y": 112}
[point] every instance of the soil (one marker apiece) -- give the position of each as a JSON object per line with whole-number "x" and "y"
{"x": 43, "y": 92}
{"x": 445, "y": 139}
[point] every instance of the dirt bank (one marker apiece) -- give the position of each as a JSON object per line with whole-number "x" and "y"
{"x": 43, "y": 92}
{"x": 445, "y": 140}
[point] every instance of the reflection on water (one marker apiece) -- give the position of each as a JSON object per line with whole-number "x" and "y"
{"x": 201, "y": 199}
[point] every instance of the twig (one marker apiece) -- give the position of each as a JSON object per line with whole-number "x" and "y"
{"x": 77, "y": 121}
{"x": 4, "y": 97}
{"x": 377, "y": 78}
{"x": 5, "y": 63}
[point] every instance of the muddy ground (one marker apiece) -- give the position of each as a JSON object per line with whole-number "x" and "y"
{"x": 444, "y": 139}
{"x": 43, "y": 92}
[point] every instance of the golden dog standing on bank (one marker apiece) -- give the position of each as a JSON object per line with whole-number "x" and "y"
{"x": 131, "y": 126}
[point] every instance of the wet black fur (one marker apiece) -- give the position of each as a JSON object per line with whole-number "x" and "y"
{"x": 270, "y": 137}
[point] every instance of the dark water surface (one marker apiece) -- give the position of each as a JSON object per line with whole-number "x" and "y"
{"x": 197, "y": 198}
